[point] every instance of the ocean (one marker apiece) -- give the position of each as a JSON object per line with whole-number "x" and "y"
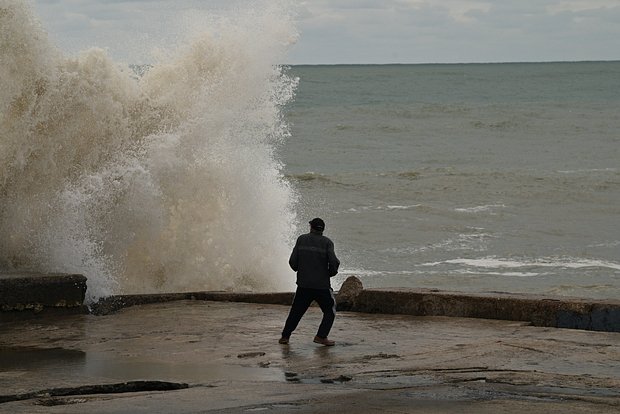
{"x": 463, "y": 177}
{"x": 197, "y": 171}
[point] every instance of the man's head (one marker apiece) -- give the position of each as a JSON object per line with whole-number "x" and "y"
{"x": 317, "y": 224}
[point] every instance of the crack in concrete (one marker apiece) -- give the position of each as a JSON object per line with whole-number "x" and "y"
{"x": 124, "y": 387}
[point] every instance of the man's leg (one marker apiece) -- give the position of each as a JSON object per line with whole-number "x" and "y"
{"x": 301, "y": 302}
{"x": 325, "y": 299}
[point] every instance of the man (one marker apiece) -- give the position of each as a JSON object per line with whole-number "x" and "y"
{"x": 314, "y": 260}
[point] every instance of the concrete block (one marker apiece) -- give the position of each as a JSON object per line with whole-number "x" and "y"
{"x": 24, "y": 293}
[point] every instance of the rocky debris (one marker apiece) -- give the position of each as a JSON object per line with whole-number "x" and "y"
{"x": 339, "y": 379}
{"x": 291, "y": 376}
{"x": 380, "y": 355}
{"x": 251, "y": 355}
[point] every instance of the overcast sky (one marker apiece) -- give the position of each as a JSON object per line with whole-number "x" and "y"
{"x": 362, "y": 31}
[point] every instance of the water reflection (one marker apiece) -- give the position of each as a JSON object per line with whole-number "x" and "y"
{"x": 304, "y": 352}
{"x": 116, "y": 368}
{"x": 18, "y": 357}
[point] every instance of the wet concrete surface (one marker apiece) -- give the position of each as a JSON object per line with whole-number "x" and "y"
{"x": 229, "y": 356}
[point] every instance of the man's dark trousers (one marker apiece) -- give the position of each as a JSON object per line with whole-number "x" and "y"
{"x": 301, "y": 302}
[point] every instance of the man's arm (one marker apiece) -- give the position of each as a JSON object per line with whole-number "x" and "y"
{"x": 293, "y": 261}
{"x": 332, "y": 261}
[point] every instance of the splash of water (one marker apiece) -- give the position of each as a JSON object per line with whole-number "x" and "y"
{"x": 164, "y": 182}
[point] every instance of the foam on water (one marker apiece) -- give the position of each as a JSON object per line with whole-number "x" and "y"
{"x": 560, "y": 262}
{"x": 480, "y": 209}
{"x": 166, "y": 182}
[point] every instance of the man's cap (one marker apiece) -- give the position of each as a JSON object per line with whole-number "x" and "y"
{"x": 317, "y": 224}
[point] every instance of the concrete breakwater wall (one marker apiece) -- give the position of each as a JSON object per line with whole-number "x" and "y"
{"x": 113, "y": 304}
{"x": 570, "y": 313}
{"x": 555, "y": 312}
{"x": 35, "y": 293}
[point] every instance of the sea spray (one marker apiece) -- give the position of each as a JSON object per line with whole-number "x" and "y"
{"x": 164, "y": 182}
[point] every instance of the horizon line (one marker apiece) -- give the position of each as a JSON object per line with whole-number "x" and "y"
{"x": 456, "y": 63}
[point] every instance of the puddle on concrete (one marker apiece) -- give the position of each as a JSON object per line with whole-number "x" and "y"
{"x": 114, "y": 368}
{"x": 327, "y": 355}
{"x": 101, "y": 365}
{"x": 27, "y": 358}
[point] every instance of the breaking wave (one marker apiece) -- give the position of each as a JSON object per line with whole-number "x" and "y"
{"x": 166, "y": 181}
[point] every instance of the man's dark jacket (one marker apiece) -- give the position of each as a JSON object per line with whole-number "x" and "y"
{"x": 314, "y": 260}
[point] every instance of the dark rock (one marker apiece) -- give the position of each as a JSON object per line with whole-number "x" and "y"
{"x": 348, "y": 293}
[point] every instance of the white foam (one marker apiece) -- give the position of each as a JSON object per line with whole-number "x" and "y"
{"x": 470, "y": 241}
{"x": 588, "y": 170}
{"x": 480, "y": 209}
{"x": 397, "y": 207}
{"x": 383, "y": 208}
{"x": 164, "y": 183}
{"x": 367, "y": 272}
{"x": 513, "y": 274}
{"x": 614, "y": 243}
{"x": 492, "y": 262}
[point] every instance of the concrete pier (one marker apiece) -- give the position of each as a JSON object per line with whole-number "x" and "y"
{"x": 194, "y": 356}
{"x": 396, "y": 351}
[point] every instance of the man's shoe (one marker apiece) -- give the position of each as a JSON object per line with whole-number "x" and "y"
{"x": 323, "y": 341}
{"x": 283, "y": 341}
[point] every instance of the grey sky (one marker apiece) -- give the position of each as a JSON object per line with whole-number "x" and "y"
{"x": 361, "y": 31}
